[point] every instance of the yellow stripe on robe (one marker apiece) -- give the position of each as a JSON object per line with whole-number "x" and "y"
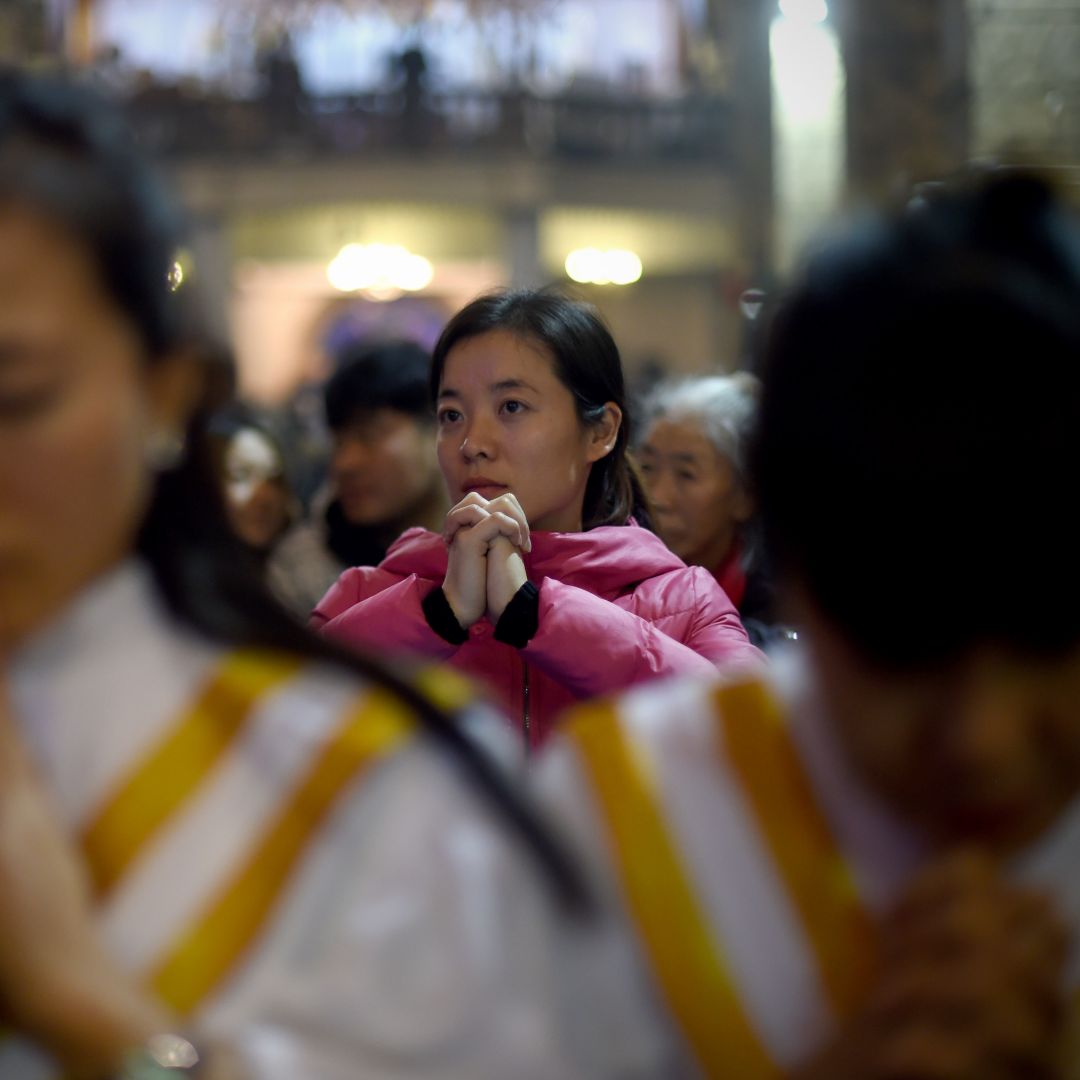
{"x": 161, "y": 783}
{"x": 682, "y": 949}
{"x": 446, "y": 688}
{"x": 204, "y": 954}
{"x": 818, "y": 881}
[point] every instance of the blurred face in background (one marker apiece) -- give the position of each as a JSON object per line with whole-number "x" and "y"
{"x": 383, "y": 467}
{"x": 699, "y": 500}
{"x": 78, "y": 406}
{"x": 257, "y": 498}
{"x": 982, "y": 751}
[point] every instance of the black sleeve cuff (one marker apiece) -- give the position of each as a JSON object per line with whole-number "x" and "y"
{"x": 441, "y": 618}
{"x": 520, "y": 618}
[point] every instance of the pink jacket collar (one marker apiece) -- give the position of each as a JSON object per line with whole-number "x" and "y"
{"x": 605, "y": 560}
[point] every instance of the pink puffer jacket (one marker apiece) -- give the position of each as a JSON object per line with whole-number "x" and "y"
{"x": 616, "y": 608}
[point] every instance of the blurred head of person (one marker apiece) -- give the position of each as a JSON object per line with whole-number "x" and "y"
{"x": 101, "y": 371}
{"x": 693, "y": 459}
{"x": 259, "y": 504}
{"x": 383, "y": 465}
{"x": 107, "y": 377}
{"x": 530, "y": 398}
{"x": 916, "y": 463}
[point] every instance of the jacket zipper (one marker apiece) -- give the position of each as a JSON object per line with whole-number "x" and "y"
{"x": 526, "y": 723}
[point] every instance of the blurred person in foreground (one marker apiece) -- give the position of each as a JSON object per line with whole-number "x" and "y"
{"x": 868, "y": 866}
{"x": 693, "y": 458}
{"x": 384, "y": 476}
{"x": 545, "y": 581}
{"x": 210, "y": 821}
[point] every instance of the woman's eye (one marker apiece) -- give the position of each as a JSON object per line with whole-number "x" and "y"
{"x": 513, "y": 406}
{"x": 24, "y": 404}
{"x": 449, "y": 416}
{"x": 686, "y": 476}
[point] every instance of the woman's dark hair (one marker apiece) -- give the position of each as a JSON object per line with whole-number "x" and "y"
{"x": 587, "y": 363}
{"x": 66, "y": 154}
{"x": 919, "y": 436}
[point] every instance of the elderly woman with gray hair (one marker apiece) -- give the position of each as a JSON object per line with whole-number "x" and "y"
{"x": 692, "y": 455}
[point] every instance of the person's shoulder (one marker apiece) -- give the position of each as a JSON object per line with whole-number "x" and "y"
{"x": 416, "y": 551}
{"x": 301, "y": 538}
{"x": 678, "y": 717}
{"x": 343, "y": 718}
{"x": 682, "y": 734}
{"x": 675, "y": 588}
{"x": 353, "y": 585}
{"x": 309, "y": 700}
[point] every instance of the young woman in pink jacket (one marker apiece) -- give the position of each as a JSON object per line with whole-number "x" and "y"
{"x": 547, "y": 583}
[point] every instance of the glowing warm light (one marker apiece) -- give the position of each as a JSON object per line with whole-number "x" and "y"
{"x": 624, "y": 267}
{"x": 415, "y": 273}
{"x": 591, "y": 266}
{"x": 174, "y": 278}
{"x": 384, "y": 270}
{"x": 805, "y": 11}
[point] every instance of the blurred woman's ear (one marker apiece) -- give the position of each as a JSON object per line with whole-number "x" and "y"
{"x": 604, "y": 432}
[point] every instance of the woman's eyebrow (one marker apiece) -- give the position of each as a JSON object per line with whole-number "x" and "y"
{"x": 511, "y": 384}
{"x": 494, "y": 388}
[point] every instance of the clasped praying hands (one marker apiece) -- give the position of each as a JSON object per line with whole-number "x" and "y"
{"x": 486, "y": 539}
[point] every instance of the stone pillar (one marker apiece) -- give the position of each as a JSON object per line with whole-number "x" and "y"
{"x": 744, "y": 26}
{"x": 23, "y": 35}
{"x": 523, "y": 249}
{"x": 907, "y": 91}
{"x": 211, "y": 259}
{"x": 809, "y": 132}
{"x": 1026, "y": 97}
{"x": 81, "y": 32}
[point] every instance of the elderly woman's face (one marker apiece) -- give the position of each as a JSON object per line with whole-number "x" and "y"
{"x": 76, "y": 411}
{"x": 696, "y": 493}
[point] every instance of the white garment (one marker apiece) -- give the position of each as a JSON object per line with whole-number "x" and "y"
{"x": 677, "y": 738}
{"x": 414, "y": 939}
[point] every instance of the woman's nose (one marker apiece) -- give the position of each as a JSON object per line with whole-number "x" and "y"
{"x": 660, "y": 489}
{"x": 477, "y": 441}
{"x": 350, "y": 456}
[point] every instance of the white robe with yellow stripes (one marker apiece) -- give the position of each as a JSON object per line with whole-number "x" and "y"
{"x": 748, "y": 862}
{"x": 281, "y": 860}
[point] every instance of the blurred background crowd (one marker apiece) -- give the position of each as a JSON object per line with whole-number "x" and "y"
{"x": 357, "y": 170}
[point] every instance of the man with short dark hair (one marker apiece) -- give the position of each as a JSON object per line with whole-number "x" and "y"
{"x": 384, "y": 477}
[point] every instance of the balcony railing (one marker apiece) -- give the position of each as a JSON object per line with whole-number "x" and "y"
{"x": 572, "y": 126}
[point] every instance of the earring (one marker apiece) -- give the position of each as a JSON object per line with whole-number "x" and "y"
{"x": 165, "y": 449}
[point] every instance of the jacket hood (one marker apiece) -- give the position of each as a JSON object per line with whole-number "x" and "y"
{"x": 604, "y": 560}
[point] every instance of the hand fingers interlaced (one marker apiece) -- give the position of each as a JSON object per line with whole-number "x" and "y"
{"x": 956, "y": 875}
{"x": 474, "y": 509}
{"x": 509, "y": 505}
{"x": 971, "y": 977}
{"x": 494, "y": 525}
{"x": 463, "y": 516}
